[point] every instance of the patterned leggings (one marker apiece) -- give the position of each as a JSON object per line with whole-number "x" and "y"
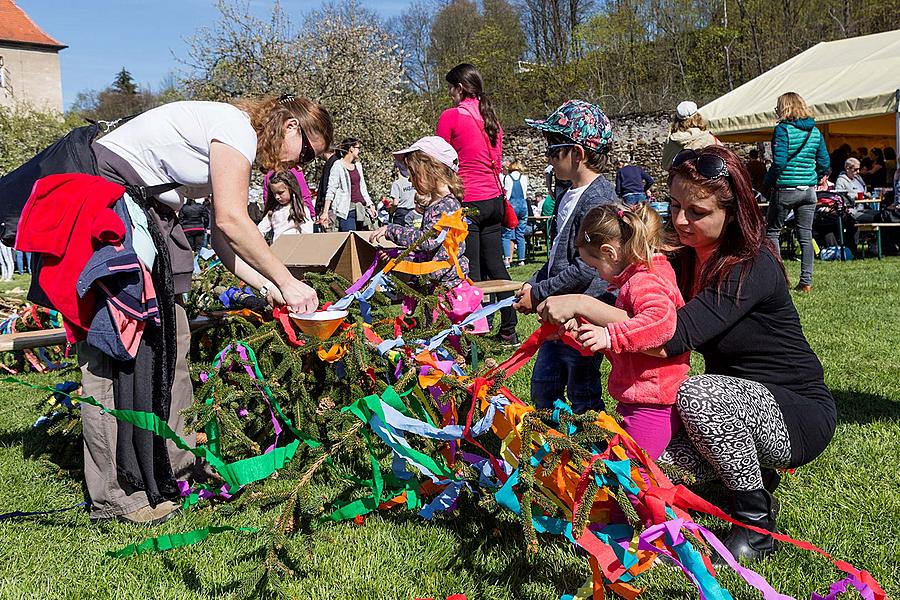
{"x": 732, "y": 428}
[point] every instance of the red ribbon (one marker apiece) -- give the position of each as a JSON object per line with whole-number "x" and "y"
{"x": 282, "y": 314}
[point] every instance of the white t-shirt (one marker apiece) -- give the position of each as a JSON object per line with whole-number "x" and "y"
{"x": 171, "y": 143}
{"x": 508, "y": 184}
{"x": 566, "y": 207}
{"x": 403, "y": 192}
{"x": 280, "y": 222}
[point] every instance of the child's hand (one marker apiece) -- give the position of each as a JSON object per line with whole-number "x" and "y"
{"x": 559, "y": 309}
{"x": 378, "y": 236}
{"x": 524, "y": 301}
{"x": 593, "y": 337}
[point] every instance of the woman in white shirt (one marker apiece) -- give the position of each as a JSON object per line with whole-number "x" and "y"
{"x": 849, "y": 181}
{"x": 347, "y": 192}
{"x": 202, "y": 148}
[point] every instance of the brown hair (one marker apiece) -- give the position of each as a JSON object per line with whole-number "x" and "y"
{"x": 515, "y": 165}
{"x": 268, "y": 114}
{"x": 467, "y": 77}
{"x": 744, "y": 235}
{"x": 298, "y": 214}
{"x": 427, "y": 174}
{"x": 638, "y": 229}
{"x": 595, "y": 161}
{"x": 695, "y": 120}
{"x": 792, "y": 106}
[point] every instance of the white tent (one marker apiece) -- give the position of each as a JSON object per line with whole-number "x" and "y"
{"x": 851, "y": 85}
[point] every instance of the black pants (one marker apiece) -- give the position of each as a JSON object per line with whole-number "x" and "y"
{"x": 485, "y": 252}
{"x": 195, "y": 239}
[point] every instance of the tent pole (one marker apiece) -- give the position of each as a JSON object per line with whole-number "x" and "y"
{"x": 897, "y": 122}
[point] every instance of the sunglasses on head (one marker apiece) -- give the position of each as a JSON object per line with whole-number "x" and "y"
{"x": 710, "y": 166}
{"x": 553, "y": 150}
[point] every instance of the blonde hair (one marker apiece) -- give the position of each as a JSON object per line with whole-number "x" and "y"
{"x": 792, "y": 106}
{"x": 639, "y": 230}
{"x": 515, "y": 165}
{"x": 428, "y": 174}
{"x": 268, "y": 114}
{"x": 695, "y": 120}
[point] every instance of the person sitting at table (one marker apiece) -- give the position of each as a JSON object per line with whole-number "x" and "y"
{"x": 849, "y": 181}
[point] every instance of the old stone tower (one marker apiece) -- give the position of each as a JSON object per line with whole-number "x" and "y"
{"x": 29, "y": 62}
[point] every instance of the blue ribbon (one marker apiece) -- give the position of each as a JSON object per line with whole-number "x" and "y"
{"x": 363, "y": 297}
{"x": 457, "y": 329}
{"x": 18, "y": 514}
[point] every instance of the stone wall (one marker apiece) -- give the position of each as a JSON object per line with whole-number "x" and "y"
{"x": 640, "y": 137}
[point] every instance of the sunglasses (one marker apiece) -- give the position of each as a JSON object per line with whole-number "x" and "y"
{"x": 710, "y": 166}
{"x": 553, "y": 150}
{"x": 308, "y": 153}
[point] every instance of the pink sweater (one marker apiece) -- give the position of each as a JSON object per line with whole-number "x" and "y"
{"x": 651, "y": 298}
{"x": 479, "y": 163}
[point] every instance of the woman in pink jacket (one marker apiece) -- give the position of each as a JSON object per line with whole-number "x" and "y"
{"x": 624, "y": 245}
{"x": 473, "y": 130}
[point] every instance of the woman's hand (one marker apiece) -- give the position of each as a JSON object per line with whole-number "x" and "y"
{"x": 373, "y": 212}
{"x": 378, "y": 236}
{"x": 297, "y": 296}
{"x": 593, "y": 337}
{"x": 324, "y": 220}
{"x": 559, "y": 309}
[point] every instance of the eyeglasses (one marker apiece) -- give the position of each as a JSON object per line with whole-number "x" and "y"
{"x": 710, "y": 166}
{"x": 308, "y": 153}
{"x": 553, "y": 150}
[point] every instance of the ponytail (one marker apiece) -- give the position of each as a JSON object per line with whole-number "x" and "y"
{"x": 468, "y": 79}
{"x": 489, "y": 115}
{"x": 639, "y": 230}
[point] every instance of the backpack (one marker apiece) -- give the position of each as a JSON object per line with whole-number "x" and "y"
{"x": 70, "y": 154}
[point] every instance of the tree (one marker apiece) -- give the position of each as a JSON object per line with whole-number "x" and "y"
{"x": 25, "y": 131}
{"x": 345, "y": 59}
{"x": 124, "y": 84}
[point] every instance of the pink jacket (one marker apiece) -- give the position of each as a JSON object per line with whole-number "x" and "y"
{"x": 479, "y": 162}
{"x": 651, "y": 298}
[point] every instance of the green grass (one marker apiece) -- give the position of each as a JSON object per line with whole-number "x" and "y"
{"x": 847, "y": 501}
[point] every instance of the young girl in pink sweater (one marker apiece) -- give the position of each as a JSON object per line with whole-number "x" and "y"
{"x": 623, "y": 244}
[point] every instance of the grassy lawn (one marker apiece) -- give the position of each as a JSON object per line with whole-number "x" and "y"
{"x": 847, "y": 501}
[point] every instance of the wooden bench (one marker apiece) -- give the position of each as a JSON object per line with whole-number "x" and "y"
{"x": 876, "y": 228}
{"x": 498, "y": 286}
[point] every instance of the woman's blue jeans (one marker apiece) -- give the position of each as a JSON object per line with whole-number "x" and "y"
{"x": 803, "y": 203}
{"x": 517, "y": 234}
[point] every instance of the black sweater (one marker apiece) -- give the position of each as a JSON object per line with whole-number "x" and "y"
{"x": 756, "y": 335}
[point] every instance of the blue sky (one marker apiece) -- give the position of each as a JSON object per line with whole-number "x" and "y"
{"x": 144, "y": 36}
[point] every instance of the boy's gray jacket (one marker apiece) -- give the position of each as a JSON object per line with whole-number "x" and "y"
{"x": 570, "y": 274}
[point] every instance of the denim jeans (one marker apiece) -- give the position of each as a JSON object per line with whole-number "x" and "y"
{"x": 23, "y": 262}
{"x": 560, "y": 368}
{"x": 634, "y": 198}
{"x": 803, "y": 203}
{"x": 508, "y": 235}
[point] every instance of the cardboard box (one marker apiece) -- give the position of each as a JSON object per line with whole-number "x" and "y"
{"x": 348, "y": 254}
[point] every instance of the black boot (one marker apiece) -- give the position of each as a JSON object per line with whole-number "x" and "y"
{"x": 771, "y": 478}
{"x": 753, "y": 508}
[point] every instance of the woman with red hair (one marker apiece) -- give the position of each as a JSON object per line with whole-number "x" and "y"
{"x": 762, "y": 403}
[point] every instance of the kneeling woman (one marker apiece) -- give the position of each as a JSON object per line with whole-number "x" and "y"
{"x": 762, "y": 403}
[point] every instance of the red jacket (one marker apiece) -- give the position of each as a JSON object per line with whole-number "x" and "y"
{"x": 65, "y": 219}
{"x": 651, "y": 298}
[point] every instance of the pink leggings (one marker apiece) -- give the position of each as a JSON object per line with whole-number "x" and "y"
{"x": 651, "y": 425}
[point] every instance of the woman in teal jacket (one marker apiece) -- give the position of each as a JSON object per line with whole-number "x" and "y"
{"x": 799, "y": 161}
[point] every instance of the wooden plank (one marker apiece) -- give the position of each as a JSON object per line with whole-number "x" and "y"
{"x": 874, "y": 226}
{"x": 32, "y": 339}
{"x": 24, "y": 340}
{"x": 494, "y": 286}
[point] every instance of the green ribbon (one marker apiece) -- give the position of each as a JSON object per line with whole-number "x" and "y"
{"x": 175, "y": 540}
{"x": 235, "y": 474}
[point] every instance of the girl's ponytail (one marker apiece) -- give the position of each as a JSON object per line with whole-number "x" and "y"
{"x": 638, "y": 229}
